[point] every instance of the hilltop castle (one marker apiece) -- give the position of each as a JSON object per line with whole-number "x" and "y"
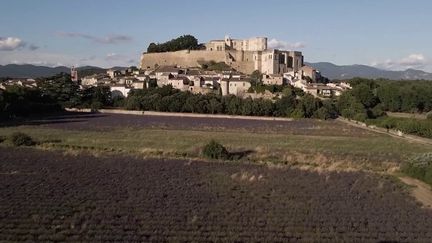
{"x": 245, "y": 56}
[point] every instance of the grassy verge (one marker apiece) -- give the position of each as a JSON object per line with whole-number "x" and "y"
{"x": 419, "y": 167}
{"x": 375, "y": 152}
{"x": 422, "y": 128}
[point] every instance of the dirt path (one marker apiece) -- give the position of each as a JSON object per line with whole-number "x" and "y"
{"x": 421, "y": 191}
{"x": 407, "y": 137}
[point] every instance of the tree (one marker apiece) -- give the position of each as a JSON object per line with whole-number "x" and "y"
{"x": 364, "y": 94}
{"x": 133, "y": 102}
{"x": 233, "y": 105}
{"x": 246, "y": 107}
{"x": 185, "y": 42}
{"x": 62, "y": 89}
{"x": 256, "y": 77}
{"x": 349, "y": 106}
{"x": 215, "y": 106}
{"x": 330, "y": 108}
{"x": 309, "y": 105}
{"x": 266, "y": 107}
{"x": 322, "y": 113}
{"x": 102, "y": 95}
{"x": 285, "y": 105}
{"x": 2, "y": 102}
{"x": 23, "y": 101}
{"x": 190, "y": 104}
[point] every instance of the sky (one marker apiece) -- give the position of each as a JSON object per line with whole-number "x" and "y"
{"x": 388, "y": 34}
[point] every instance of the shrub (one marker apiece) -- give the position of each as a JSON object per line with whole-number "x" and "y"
{"x": 21, "y": 139}
{"x": 96, "y": 105}
{"x": 322, "y": 113}
{"x": 215, "y": 150}
{"x": 360, "y": 117}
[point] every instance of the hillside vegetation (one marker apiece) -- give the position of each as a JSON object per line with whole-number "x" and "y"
{"x": 369, "y": 100}
{"x": 185, "y": 42}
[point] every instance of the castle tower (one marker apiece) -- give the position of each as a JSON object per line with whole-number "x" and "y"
{"x": 228, "y": 41}
{"x": 74, "y": 74}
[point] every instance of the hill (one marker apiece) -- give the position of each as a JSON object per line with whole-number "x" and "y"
{"x": 33, "y": 71}
{"x": 333, "y": 71}
{"x": 327, "y": 69}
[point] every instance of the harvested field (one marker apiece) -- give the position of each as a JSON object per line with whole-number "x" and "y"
{"x": 108, "y": 122}
{"x": 52, "y": 196}
{"x": 302, "y": 142}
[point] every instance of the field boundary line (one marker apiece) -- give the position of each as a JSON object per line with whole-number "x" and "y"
{"x": 180, "y": 114}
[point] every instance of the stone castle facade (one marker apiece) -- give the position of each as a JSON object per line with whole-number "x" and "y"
{"x": 245, "y": 56}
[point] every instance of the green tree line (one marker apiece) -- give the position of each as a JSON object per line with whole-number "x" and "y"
{"x": 185, "y": 42}
{"x": 168, "y": 99}
{"x": 369, "y": 100}
{"x": 52, "y": 94}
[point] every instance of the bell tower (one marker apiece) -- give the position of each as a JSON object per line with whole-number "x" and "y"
{"x": 74, "y": 74}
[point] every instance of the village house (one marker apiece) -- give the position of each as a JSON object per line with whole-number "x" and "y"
{"x": 92, "y": 80}
{"x": 272, "y": 79}
{"x": 310, "y": 72}
{"x": 235, "y": 86}
{"x": 25, "y": 82}
{"x": 179, "y": 82}
{"x": 114, "y": 73}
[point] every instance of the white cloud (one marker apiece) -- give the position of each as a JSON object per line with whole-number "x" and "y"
{"x": 10, "y": 43}
{"x": 110, "y": 39}
{"x": 283, "y": 45}
{"x": 413, "y": 60}
{"x": 416, "y": 61}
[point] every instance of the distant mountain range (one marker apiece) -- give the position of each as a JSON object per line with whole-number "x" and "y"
{"x": 327, "y": 69}
{"x": 32, "y": 71}
{"x": 333, "y": 71}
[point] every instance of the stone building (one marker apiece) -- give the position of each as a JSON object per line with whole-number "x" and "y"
{"x": 252, "y": 44}
{"x": 235, "y": 86}
{"x": 273, "y": 79}
{"x": 245, "y": 56}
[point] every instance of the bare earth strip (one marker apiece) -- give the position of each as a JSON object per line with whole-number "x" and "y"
{"x": 421, "y": 191}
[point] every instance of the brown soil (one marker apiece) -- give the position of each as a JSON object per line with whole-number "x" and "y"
{"x": 421, "y": 191}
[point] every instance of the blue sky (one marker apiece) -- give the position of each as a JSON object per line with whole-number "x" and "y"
{"x": 390, "y": 34}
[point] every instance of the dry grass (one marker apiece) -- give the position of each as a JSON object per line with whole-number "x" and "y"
{"x": 375, "y": 152}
